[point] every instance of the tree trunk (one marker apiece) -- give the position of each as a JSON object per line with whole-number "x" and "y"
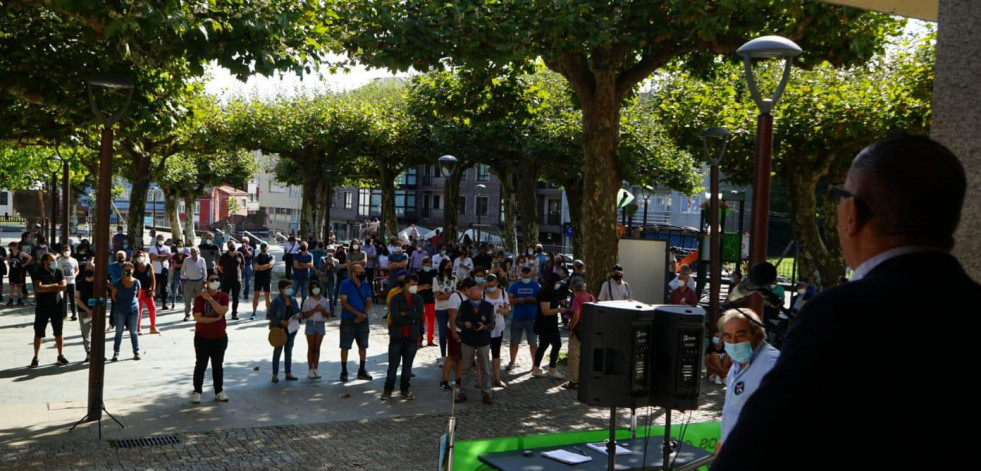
{"x": 574, "y": 195}
{"x": 140, "y": 180}
{"x": 328, "y": 198}
{"x": 321, "y": 201}
{"x": 190, "y": 238}
{"x": 817, "y": 263}
{"x": 601, "y": 127}
{"x": 390, "y": 224}
{"x": 510, "y": 209}
{"x": 175, "y": 222}
{"x": 451, "y": 210}
{"x": 310, "y": 204}
{"x": 527, "y": 198}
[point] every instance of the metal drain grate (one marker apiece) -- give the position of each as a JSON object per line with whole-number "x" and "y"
{"x": 146, "y": 442}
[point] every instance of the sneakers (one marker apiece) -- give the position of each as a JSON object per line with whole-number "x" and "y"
{"x": 311, "y": 374}
{"x": 344, "y": 376}
{"x": 316, "y": 374}
{"x": 487, "y": 399}
{"x": 136, "y": 356}
{"x": 718, "y": 380}
{"x": 234, "y": 317}
{"x": 252, "y": 317}
{"x": 439, "y": 362}
{"x": 275, "y": 379}
{"x": 221, "y": 397}
{"x": 74, "y": 317}
{"x": 537, "y": 372}
{"x": 290, "y": 377}
{"x": 500, "y": 384}
{"x": 445, "y": 386}
{"x": 430, "y": 344}
{"x": 570, "y": 385}
{"x": 509, "y": 367}
{"x": 362, "y": 374}
{"x": 406, "y": 396}
{"x": 555, "y": 375}
{"x": 62, "y": 360}
{"x": 34, "y": 363}
{"x": 115, "y": 356}
{"x": 186, "y": 318}
{"x": 386, "y": 395}
{"x": 196, "y": 398}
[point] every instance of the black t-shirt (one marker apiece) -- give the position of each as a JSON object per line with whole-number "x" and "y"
{"x": 483, "y": 260}
{"x": 543, "y": 323}
{"x": 84, "y": 289}
{"x": 231, "y": 267}
{"x": 709, "y": 348}
{"x": 145, "y": 277}
{"x": 48, "y": 277}
{"x": 427, "y": 278}
{"x": 341, "y": 264}
{"x": 83, "y": 256}
{"x": 263, "y": 259}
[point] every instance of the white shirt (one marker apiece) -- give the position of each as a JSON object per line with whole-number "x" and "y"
{"x": 878, "y": 259}
{"x": 456, "y": 299}
{"x": 310, "y": 304}
{"x": 193, "y": 270}
{"x": 293, "y": 248}
{"x": 462, "y": 267}
{"x": 499, "y": 303}
{"x": 68, "y": 267}
{"x": 613, "y": 291}
{"x": 741, "y": 383}
{"x": 437, "y": 259}
{"x": 446, "y": 286}
{"x": 163, "y": 250}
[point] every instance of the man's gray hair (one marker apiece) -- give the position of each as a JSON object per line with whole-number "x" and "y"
{"x": 755, "y": 327}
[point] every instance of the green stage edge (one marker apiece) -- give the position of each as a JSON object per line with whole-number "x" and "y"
{"x": 703, "y": 435}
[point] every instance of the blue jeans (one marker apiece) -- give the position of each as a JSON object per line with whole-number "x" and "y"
{"x": 331, "y": 287}
{"x": 246, "y": 282}
{"x": 400, "y": 350}
{"x": 442, "y": 317}
{"x": 126, "y": 317}
{"x": 175, "y": 284}
{"x": 288, "y": 362}
{"x": 301, "y": 288}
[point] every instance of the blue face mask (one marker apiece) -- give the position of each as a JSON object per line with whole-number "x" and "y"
{"x": 53, "y": 266}
{"x": 491, "y": 289}
{"x": 288, "y": 291}
{"x": 526, "y": 280}
{"x": 558, "y": 286}
{"x": 427, "y": 269}
{"x": 740, "y": 352}
{"x": 479, "y": 279}
{"x": 715, "y": 341}
{"x": 475, "y": 303}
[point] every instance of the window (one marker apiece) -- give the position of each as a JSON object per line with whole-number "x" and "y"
{"x": 405, "y": 203}
{"x": 480, "y": 205}
{"x": 4, "y": 198}
{"x": 436, "y": 201}
{"x": 483, "y": 173}
{"x": 276, "y": 187}
{"x": 462, "y": 205}
{"x": 464, "y": 175}
{"x": 660, "y": 202}
{"x": 295, "y": 191}
{"x": 369, "y": 202}
{"x": 408, "y": 178}
{"x": 197, "y": 207}
{"x": 348, "y": 200}
{"x": 501, "y": 212}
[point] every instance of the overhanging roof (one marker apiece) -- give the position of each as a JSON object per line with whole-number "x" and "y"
{"x": 920, "y": 9}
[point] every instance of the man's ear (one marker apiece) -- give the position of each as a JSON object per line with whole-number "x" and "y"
{"x": 853, "y": 219}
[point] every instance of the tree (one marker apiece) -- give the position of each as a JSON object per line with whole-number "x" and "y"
{"x": 826, "y": 116}
{"x": 603, "y": 50}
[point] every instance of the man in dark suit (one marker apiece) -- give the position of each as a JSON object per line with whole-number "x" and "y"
{"x": 866, "y": 362}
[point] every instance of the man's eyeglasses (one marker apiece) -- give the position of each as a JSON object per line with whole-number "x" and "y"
{"x": 838, "y": 192}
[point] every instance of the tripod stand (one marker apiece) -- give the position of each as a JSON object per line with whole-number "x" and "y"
{"x": 87, "y": 419}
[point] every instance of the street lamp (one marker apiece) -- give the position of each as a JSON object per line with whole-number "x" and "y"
{"x": 447, "y": 165}
{"x": 766, "y": 47}
{"x": 646, "y": 191}
{"x": 116, "y": 83}
{"x": 714, "y": 141}
{"x": 480, "y": 192}
{"x": 154, "y": 189}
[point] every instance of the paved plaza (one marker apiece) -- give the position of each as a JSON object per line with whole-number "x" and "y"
{"x": 303, "y": 424}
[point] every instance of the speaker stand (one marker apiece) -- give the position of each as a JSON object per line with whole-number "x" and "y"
{"x": 86, "y": 419}
{"x": 633, "y": 423}
{"x": 669, "y": 446}
{"x": 611, "y": 444}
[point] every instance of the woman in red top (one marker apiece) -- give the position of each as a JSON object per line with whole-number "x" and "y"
{"x": 210, "y": 340}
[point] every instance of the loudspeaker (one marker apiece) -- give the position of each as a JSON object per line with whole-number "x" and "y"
{"x": 678, "y": 336}
{"x": 616, "y": 354}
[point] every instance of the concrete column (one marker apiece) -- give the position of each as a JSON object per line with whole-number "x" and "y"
{"x": 957, "y": 113}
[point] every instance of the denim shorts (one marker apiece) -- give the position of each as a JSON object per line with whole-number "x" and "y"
{"x": 526, "y": 327}
{"x": 316, "y": 327}
{"x": 351, "y": 332}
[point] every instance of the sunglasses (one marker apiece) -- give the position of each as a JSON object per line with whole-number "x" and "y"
{"x": 838, "y": 192}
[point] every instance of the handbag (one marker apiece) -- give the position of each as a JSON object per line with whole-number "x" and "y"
{"x": 277, "y": 337}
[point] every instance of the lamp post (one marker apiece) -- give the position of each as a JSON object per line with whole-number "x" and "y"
{"x": 714, "y": 141}
{"x": 766, "y": 47}
{"x": 101, "y": 236}
{"x": 646, "y": 191}
{"x": 447, "y": 167}
{"x": 480, "y": 192}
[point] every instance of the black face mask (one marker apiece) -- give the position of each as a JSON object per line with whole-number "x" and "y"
{"x": 127, "y": 273}
{"x": 618, "y": 277}
{"x": 360, "y": 276}
{"x": 89, "y": 274}
{"x": 120, "y": 259}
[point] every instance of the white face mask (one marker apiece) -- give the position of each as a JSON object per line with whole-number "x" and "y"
{"x": 414, "y": 289}
{"x": 355, "y": 247}
{"x": 682, "y": 283}
{"x": 214, "y": 285}
{"x": 66, "y": 254}
{"x": 802, "y": 291}
{"x": 315, "y": 291}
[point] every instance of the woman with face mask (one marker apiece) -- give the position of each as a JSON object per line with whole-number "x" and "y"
{"x": 83, "y": 293}
{"x": 125, "y": 295}
{"x": 444, "y": 286}
{"x": 316, "y": 310}
{"x": 144, "y": 273}
{"x": 717, "y": 363}
{"x": 547, "y": 326}
{"x": 281, "y": 311}
{"x": 210, "y": 339}
{"x": 502, "y": 307}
